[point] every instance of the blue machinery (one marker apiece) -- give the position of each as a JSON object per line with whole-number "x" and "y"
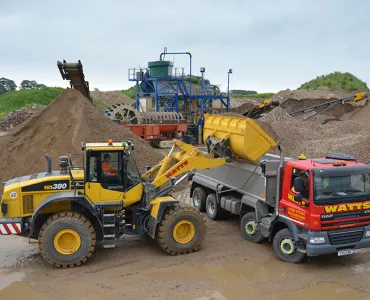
{"x": 160, "y": 87}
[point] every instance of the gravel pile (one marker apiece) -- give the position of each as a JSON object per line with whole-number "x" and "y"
{"x": 15, "y": 118}
{"x": 317, "y": 140}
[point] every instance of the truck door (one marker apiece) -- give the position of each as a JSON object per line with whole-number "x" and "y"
{"x": 296, "y": 211}
{"x": 105, "y": 178}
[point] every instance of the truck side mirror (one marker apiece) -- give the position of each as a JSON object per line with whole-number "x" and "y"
{"x": 298, "y": 184}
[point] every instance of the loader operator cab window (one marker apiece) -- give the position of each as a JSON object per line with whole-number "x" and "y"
{"x": 305, "y": 176}
{"x": 113, "y": 170}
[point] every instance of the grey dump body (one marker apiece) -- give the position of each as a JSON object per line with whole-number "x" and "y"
{"x": 254, "y": 185}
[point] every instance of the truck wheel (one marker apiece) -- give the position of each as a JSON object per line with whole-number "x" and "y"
{"x": 250, "y": 228}
{"x": 214, "y": 210}
{"x": 67, "y": 239}
{"x": 181, "y": 230}
{"x": 199, "y": 198}
{"x": 285, "y": 247}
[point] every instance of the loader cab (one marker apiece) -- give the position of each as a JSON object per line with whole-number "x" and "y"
{"x": 110, "y": 171}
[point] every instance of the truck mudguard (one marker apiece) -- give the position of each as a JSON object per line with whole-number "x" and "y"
{"x": 292, "y": 227}
{"x": 260, "y": 207}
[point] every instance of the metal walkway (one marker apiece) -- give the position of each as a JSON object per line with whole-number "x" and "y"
{"x": 74, "y": 73}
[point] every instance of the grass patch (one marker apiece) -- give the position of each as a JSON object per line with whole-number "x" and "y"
{"x": 100, "y": 104}
{"x": 14, "y": 100}
{"x": 131, "y": 92}
{"x": 336, "y": 80}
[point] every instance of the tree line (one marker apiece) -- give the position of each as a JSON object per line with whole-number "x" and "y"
{"x": 7, "y": 85}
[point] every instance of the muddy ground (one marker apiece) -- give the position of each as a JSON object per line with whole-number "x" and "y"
{"x": 226, "y": 267}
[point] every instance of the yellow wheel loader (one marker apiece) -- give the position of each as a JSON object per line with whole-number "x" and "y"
{"x": 70, "y": 210}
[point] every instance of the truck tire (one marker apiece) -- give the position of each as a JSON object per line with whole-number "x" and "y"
{"x": 285, "y": 248}
{"x": 67, "y": 239}
{"x": 199, "y": 198}
{"x": 250, "y": 228}
{"x": 181, "y": 230}
{"x": 214, "y": 210}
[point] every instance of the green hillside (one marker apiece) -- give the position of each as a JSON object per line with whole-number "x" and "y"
{"x": 131, "y": 92}
{"x": 336, "y": 80}
{"x": 14, "y": 100}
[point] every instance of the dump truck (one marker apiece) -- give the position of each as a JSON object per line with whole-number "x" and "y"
{"x": 305, "y": 207}
{"x": 99, "y": 195}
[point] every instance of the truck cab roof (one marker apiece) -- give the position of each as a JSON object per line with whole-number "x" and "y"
{"x": 323, "y": 163}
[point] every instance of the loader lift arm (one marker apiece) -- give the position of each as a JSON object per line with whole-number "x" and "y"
{"x": 188, "y": 159}
{"x": 74, "y": 73}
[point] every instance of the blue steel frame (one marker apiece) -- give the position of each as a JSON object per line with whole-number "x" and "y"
{"x": 163, "y": 87}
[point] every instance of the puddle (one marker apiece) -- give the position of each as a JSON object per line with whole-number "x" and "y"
{"x": 19, "y": 290}
{"x": 329, "y": 291}
{"x": 246, "y": 271}
{"x": 7, "y": 278}
{"x": 15, "y": 251}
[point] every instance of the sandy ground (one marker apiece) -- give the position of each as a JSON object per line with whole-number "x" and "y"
{"x": 226, "y": 267}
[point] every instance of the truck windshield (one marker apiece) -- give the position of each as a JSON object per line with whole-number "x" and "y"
{"x": 338, "y": 189}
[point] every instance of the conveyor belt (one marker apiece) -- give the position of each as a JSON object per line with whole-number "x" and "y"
{"x": 74, "y": 73}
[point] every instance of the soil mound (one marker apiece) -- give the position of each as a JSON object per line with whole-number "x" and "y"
{"x": 299, "y": 99}
{"x": 14, "y": 118}
{"x": 59, "y": 130}
{"x": 111, "y": 98}
{"x": 317, "y": 140}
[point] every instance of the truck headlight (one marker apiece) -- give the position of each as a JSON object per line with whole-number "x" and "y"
{"x": 367, "y": 233}
{"x": 317, "y": 240}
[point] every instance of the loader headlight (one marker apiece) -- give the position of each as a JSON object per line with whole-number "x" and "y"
{"x": 317, "y": 240}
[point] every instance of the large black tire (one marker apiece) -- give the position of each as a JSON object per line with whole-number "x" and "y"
{"x": 213, "y": 209}
{"x": 199, "y": 198}
{"x": 181, "y": 230}
{"x": 67, "y": 239}
{"x": 285, "y": 248}
{"x": 250, "y": 228}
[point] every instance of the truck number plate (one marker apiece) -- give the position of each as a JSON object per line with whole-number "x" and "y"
{"x": 345, "y": 252}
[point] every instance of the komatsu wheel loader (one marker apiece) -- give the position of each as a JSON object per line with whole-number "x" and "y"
{"x": 70, "y": 210}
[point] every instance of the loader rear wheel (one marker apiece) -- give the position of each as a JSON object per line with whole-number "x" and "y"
{"x": 67, "y": 239}
{"x": 181, "y": 230}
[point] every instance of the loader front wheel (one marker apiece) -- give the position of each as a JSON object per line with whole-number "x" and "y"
{"x": 181, "y": 230}
{"x": 67, "y": 239}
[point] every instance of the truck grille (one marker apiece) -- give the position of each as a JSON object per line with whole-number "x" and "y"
{"x": 28, "y": 204}
{"x": 345, "y": 237}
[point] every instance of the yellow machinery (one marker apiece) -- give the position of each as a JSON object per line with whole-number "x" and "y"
{"x": 70, "y": 210}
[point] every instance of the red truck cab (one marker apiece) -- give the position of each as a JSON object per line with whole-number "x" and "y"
{"x": 326, "y": 203}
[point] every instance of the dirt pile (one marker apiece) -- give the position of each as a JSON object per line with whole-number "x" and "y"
{"x": 315, "y": 140}
{"x": 14, "y": 118}
{"x": 299, "y": 99}
{"x": 111, "y": 98}
{"x": 59, "y": 130}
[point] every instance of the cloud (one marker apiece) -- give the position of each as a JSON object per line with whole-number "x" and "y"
{"x": 270, "y": 45}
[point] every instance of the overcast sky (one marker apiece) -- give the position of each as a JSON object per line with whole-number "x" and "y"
{"x": 270, "y": 45}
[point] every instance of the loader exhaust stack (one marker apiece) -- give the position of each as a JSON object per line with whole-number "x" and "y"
{"x": 48, "y": 164}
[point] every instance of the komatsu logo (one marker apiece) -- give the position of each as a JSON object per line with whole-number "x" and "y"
{"x": 347, "y": 207}
{"x": 174, "y": 171}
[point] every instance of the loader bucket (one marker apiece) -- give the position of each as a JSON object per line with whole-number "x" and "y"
{"x": 248, "y": 139}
